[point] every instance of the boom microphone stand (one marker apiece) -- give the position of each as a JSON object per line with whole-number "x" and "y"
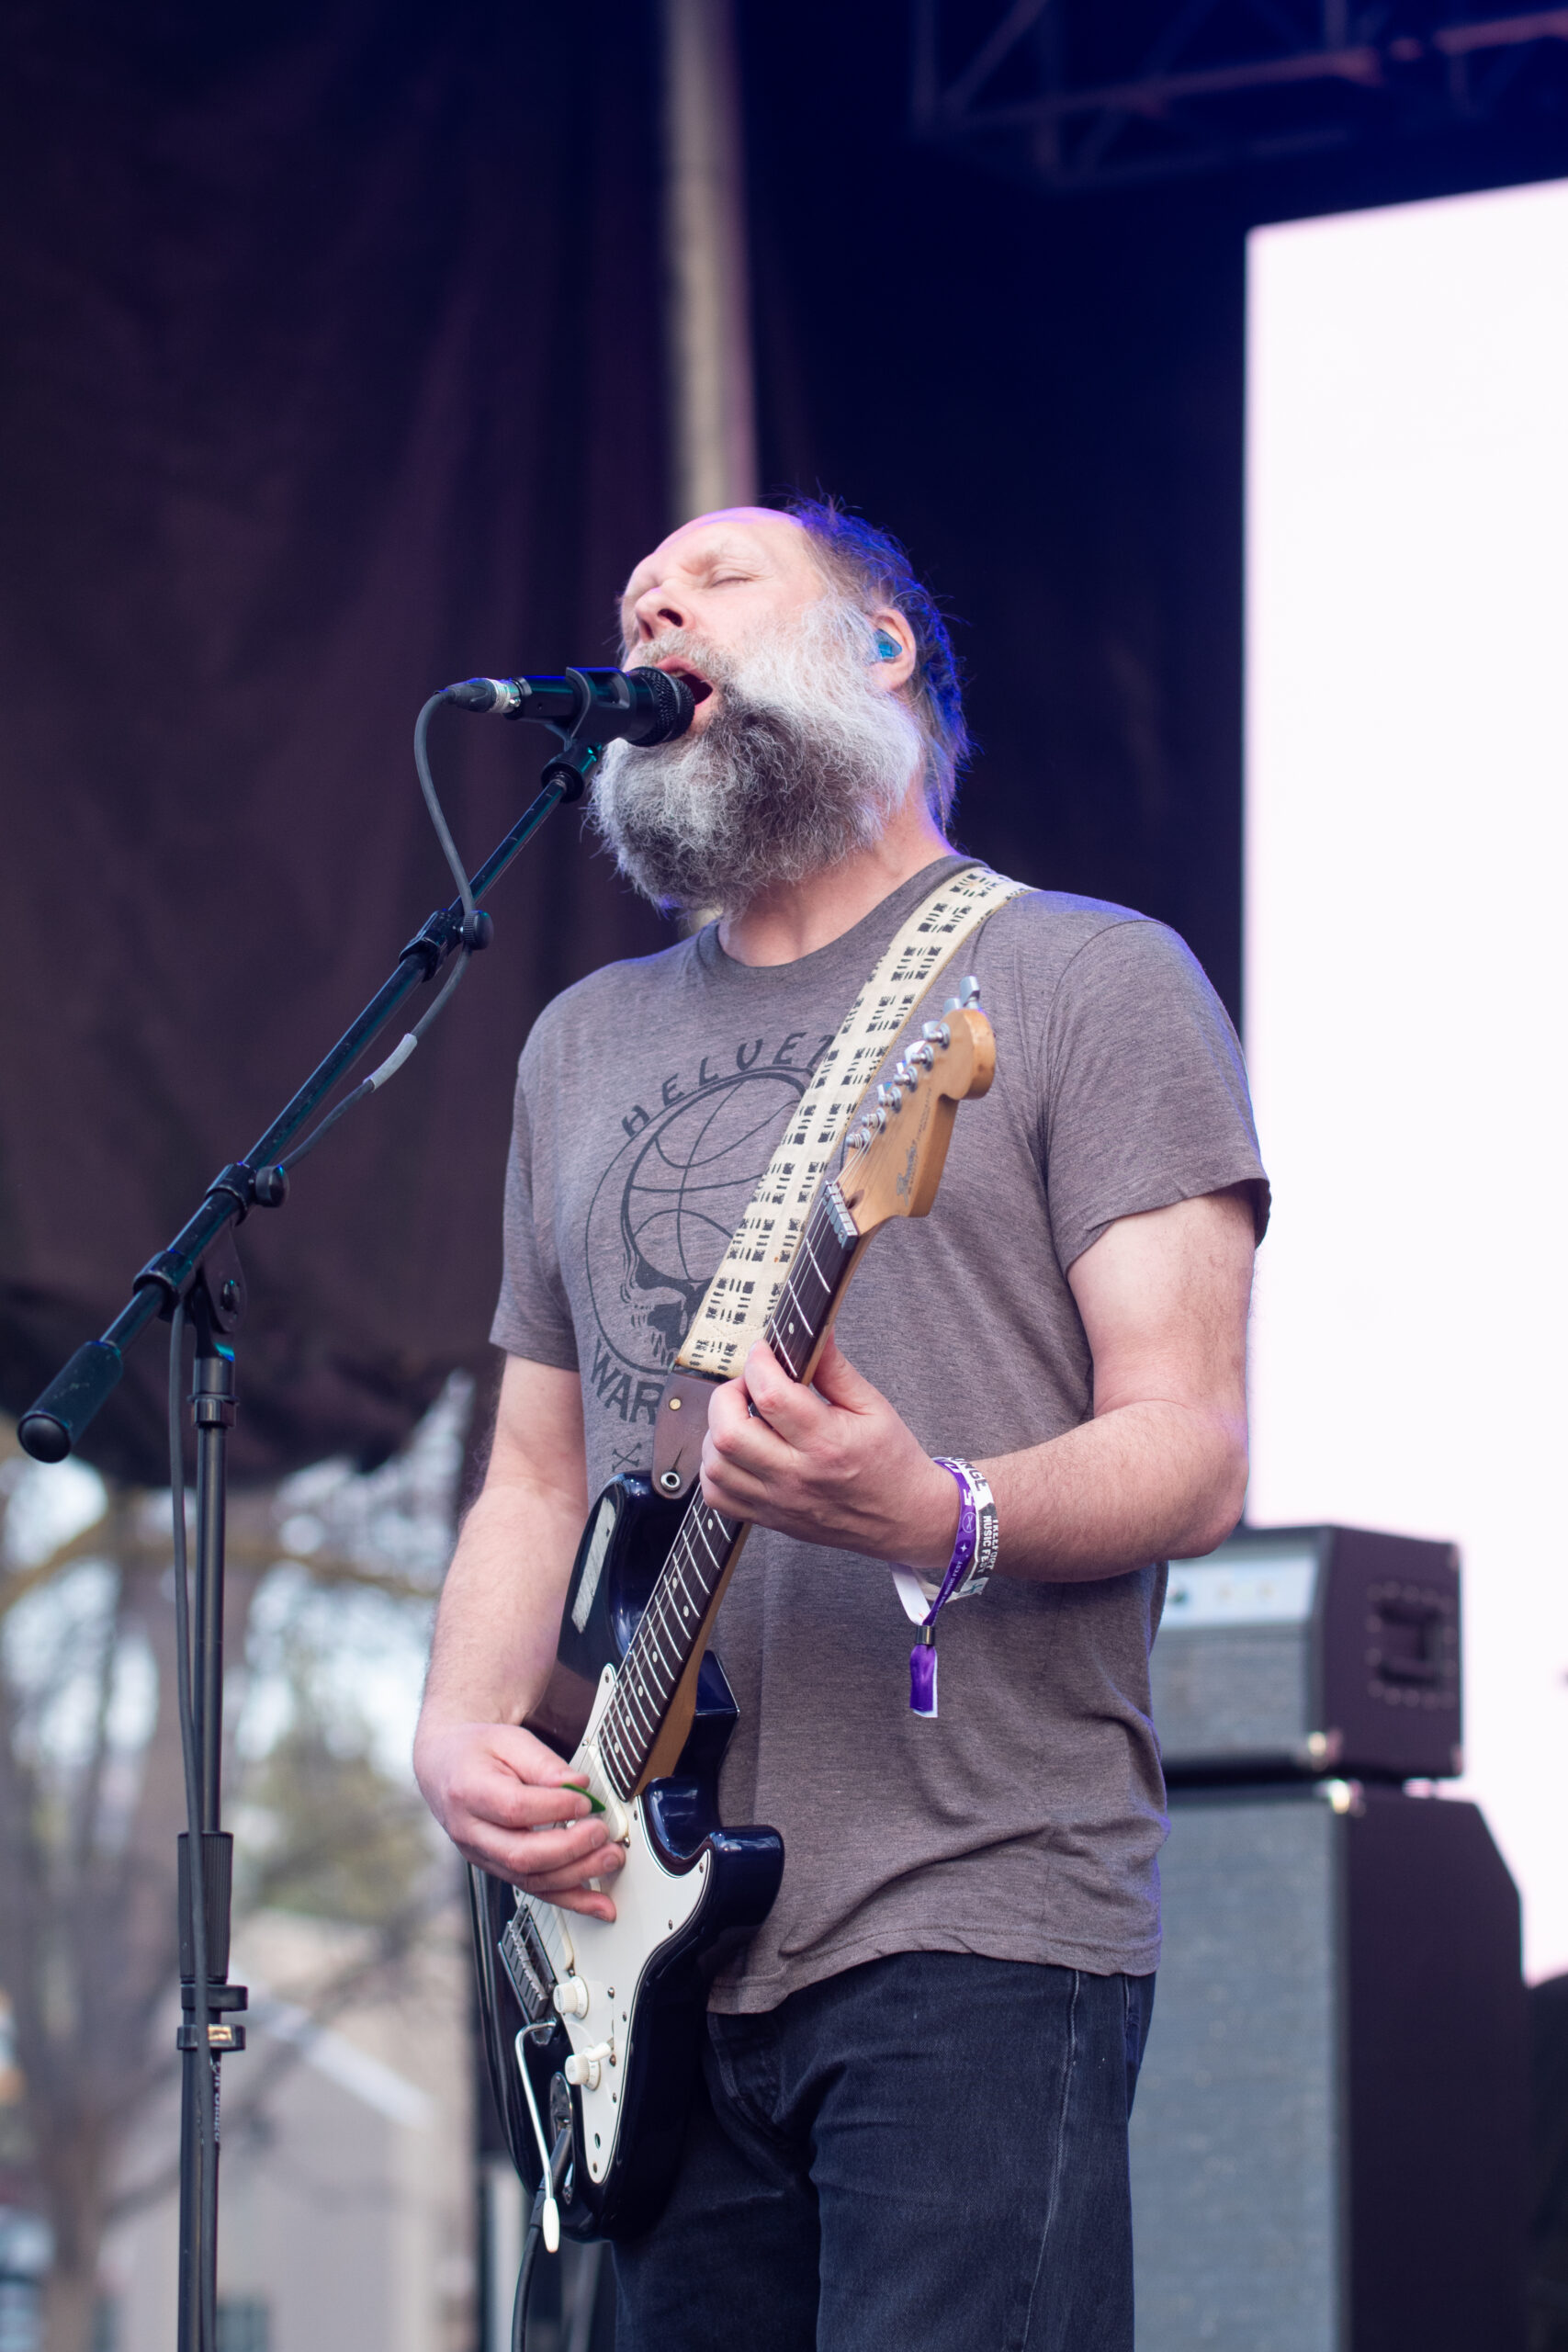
{"x": 198, "y": 1278}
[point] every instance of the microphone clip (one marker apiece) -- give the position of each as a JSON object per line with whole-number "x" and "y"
{"x": 570, "y": 768}
{"x": 582, "y": 744}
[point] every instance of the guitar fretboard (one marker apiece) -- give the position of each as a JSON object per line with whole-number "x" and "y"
{"x": 670, "y": 1625}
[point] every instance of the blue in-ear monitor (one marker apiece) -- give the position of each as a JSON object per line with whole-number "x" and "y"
{"x": 888, "y": 647}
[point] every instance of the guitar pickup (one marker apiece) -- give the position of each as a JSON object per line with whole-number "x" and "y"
{"x": 523, "y": 1958}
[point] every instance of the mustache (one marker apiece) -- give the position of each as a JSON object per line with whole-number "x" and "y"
{"x": 685, "y": 645}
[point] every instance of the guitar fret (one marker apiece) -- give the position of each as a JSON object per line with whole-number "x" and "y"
{"x": 661, "y": 1649}
{"x": 645, "y": 1652}
{"x": 661, "y": 1628}
{"x": 611, "y": 1743}
{"x": 624, "y": 1732}
{"x": 702, "y": 1525}
{"x": 648, "y": 1639}
{"x": 685, "y": 1619}
{"x": 662, "y": 1672}
{"x": 691, "y": 1569}
{"x": 613, "y": 1757}
{"x": 816, "y": 1268}
{"x": 630, "y": 1679}
{"x": 654, "y": 1691}
{"x": 626, "y": 1692}
{"x": 634, "y": 1740}
{"x": 626, "y": 1750}
{"x": 693, "y": 1607}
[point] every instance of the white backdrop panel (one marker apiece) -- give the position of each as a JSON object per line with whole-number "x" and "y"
{"x": 1406, "y": 822}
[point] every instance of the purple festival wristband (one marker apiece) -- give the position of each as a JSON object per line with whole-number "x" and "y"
{"x": 974, "y": 1558}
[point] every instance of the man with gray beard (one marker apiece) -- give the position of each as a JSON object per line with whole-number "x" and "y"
{"x": 911, "y": 2125}
{"x": 802, "y": 764}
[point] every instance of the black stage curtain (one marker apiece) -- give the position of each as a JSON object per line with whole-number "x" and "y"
{"x": 1044, "y": 399}
{"x": 332, "y": 372}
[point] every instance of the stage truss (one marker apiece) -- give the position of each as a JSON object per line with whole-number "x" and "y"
{"x": 1084, "y": 96}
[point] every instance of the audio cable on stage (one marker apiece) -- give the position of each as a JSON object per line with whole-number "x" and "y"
{"x": 476, "y": 934}
{"x": 550, "y": 2183}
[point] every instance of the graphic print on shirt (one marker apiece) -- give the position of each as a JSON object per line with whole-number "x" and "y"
{"x": 664, "y": 1209}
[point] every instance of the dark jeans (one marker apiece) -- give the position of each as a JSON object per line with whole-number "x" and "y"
{"x": 928, "y": 2153}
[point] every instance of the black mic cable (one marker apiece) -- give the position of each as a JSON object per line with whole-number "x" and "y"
{"x": 586, "y": 708}
{"x": 561, "y": 2157}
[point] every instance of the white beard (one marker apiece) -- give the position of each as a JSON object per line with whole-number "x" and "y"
{"x": 803, "y": 762}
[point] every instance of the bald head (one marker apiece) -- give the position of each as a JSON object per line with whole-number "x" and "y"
{"x": 737, "y": 547}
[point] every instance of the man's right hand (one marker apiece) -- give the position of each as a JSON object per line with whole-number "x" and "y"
{"x": 508, "y": 1802}
{"x": 504, "y": 1799}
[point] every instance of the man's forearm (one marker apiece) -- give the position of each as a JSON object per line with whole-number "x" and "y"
{"x": 1149, "y": 1481}
{"x": 505, "y": 1797}
{"x": 500, "y": 1614}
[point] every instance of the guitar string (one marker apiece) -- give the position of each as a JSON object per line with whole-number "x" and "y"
{"x": 654, "y": 1676}
{"x": 655, "y": 1691}
{"x": 633, "y": 1741}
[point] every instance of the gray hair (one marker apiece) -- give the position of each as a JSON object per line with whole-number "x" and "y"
{"x": 873, "y": 571}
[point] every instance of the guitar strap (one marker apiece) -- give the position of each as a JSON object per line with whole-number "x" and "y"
{"x": 740, "y": 1296}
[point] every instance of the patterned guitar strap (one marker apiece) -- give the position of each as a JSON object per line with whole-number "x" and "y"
{"x": 740, "y": 1296}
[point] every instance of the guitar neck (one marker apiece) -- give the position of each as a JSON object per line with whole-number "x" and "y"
{"x": 675, "y": 1624}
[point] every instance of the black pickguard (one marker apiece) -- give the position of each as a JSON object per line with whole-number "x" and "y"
{"x": 680, "y": 1815}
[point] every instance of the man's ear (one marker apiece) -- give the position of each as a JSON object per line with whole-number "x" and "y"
{"x": 895, "y": 658}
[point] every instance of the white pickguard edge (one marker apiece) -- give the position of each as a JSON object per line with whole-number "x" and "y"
{"x": 611, "y": 1956}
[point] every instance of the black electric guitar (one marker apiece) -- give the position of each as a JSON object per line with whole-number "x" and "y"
{"x": 594, "y": 2026}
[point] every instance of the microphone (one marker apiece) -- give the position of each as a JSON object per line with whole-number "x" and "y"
{"x": 588, "y": 705}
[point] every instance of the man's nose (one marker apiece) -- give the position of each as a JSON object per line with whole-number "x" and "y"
{"x": 660, "y": 609}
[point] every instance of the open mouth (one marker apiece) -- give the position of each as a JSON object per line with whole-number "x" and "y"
{"x": 675, "y": 668}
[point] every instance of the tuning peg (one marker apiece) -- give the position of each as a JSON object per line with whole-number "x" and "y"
{"x": 923, "y": 1054}
{"x": 857, "y": 1139}
{"x": 903, "y": 1075}
{"x": 968, "y": 997}
{"x": 890, "y": 1097}
{"x": 937, "y": 1033}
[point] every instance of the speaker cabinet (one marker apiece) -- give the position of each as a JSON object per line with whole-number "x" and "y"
{"x": 1329, "y": 2136}
{"x": 1305, "y": 1650}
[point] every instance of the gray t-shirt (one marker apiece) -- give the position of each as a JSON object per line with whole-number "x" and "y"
{"x": 1024, "y": 1822}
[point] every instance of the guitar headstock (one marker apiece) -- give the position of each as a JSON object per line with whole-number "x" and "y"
{"x": 894, "y": 1153}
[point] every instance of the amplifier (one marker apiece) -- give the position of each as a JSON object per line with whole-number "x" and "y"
{"x": 1329, "y": 2139}
{"x": 1294, "y": 1652}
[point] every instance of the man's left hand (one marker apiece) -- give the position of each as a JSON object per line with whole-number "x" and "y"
{"x": 828, "y": 1462}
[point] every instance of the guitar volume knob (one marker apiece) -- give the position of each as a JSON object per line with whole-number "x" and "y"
{"x": 572, "y": 1999}
{"x": 582, "y": 2068}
